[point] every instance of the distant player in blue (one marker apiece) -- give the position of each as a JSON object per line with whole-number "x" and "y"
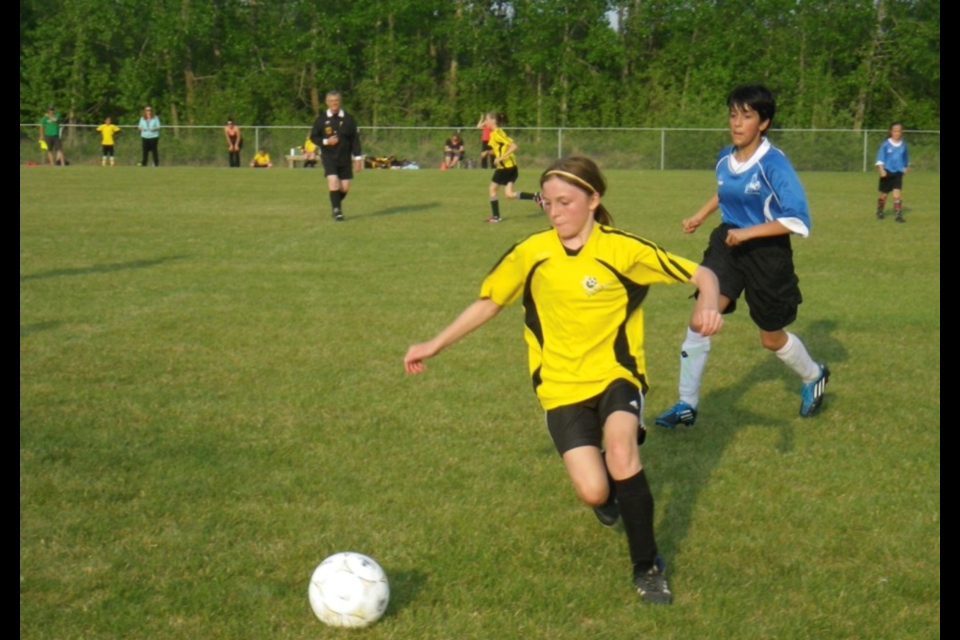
{"x": 893, "y": 162}
{"x": 762, "y": 203}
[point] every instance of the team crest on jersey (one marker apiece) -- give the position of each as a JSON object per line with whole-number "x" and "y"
{"x": 328, "y": 131}
{"x": 592, "y": 286}
{"x": 753, "y": 188}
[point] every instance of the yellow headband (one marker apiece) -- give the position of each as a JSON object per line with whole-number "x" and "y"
{"x": 575, "y": 178}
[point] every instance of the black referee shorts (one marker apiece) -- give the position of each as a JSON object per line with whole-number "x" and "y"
{"x": 581, "y": 424}
{"x": 763, "y": 270}
{"x": 332, "y": 168}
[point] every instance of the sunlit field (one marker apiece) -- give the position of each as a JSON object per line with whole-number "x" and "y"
{"x": 212, "y": 400}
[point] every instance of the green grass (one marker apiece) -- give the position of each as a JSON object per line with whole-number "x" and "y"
{"x": 212, "y": 401}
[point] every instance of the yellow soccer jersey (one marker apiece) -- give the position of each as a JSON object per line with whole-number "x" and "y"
{"x": 107, "y": 131}
{"x": 309, "y": 147}
{"x": 584, "y": 321}
{"x": 499, "y": 141}
{"x": 261, "y": 159}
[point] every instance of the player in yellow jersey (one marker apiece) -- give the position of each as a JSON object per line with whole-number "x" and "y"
{"x": 503, "y": 152}
{"x": 108, "y": 132}
{"x": 582, "y": 284}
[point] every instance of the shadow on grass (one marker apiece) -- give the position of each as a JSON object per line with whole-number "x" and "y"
{"x": 28, "y": 330}
{"x": 98, "y": 269}
{"x": 688, "y": 458}
{"x": 401, "y": 210}
{"x": 405, "y": 587}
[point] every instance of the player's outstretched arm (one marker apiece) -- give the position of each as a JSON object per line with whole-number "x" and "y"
{"x": 737, "y": 237}
{"x": 706, "y": 319}
{"x": 693, "y": 223}
{"x": 472, "y": 318}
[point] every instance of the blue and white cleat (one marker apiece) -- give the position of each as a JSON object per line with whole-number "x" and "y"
{"x": 811, "y": 394}
{"x": 680, "y": 413}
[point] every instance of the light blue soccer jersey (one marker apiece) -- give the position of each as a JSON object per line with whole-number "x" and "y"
{"x": 894, "y": 156}
{"x": 762, "y": 189}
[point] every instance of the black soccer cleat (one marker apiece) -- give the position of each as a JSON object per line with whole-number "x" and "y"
{"x": 652, "y": 584}
{"x": 608, "y": 514}
{"x": 337, "y": 215}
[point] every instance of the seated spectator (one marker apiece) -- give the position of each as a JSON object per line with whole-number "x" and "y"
{"x": 453, "y": 151}
{"x": 261, "y": 160}
{"x": 310, "y": 154}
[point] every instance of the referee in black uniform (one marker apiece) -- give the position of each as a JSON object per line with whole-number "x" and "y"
{"x": 335, "y": 133}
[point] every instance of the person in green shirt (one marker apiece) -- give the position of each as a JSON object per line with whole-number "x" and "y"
{"x": 50, "y": 136}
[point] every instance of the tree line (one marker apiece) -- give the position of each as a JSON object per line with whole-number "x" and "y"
{"x": 833, "y": 63}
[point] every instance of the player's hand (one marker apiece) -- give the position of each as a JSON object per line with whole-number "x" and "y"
{"x": 413, "y": 361}
{"x": 736, "y": 237}
{"x": 883, "y": 173}
{"x": 692, "y": 223}
{"x": 709, "y": 322}
{"x": 358, "y": 166}
{"x": 333, "y": 141}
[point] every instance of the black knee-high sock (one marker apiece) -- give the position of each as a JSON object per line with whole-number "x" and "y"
{"x": 343, "y": 195}
{"x": 495, "y": 208}
{"x": 636, "y": 510}
{"x": 611, "y": 483}
{"x": 335, "y": 198}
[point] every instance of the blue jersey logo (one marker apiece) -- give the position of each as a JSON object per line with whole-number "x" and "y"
{"x": 753, "y": 188}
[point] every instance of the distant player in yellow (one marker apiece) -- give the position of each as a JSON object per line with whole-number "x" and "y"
{"x": 503, "y": 151}
{"x": 108, "y": 133}
{"x": 261, "y": 160}
{"x": 582, "y": 284}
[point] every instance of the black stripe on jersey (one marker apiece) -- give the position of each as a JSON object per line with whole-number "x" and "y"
{"x": 670, "y": 267}
{"x": 636, "y": 294}
{"x": 510, "y": 250}
{"x": 532, "y": 319}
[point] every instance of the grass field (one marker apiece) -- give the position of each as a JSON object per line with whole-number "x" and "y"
{"x": 212, "y": 401}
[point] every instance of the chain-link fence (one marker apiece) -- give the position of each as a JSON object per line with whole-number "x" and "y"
{"x": 625, "y": 148}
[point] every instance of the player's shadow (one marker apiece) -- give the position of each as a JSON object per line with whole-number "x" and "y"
{"x": 404, "y": 209}
{"x": 405, "y": 587}
{"x": 688, "y": 457}
{"x": 99, "y": 269}
{"x": 30, "y": 329}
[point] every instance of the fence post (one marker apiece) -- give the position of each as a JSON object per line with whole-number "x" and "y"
{"x": 866, "y": 149}
{"x": 663, "y": 150}
{"x": 559, "y": 143}
{"x": 256, "y": 139}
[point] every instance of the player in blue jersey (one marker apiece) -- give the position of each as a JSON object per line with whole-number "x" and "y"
{"x": 893, "y": 162}
{"x": 762, "y": 203}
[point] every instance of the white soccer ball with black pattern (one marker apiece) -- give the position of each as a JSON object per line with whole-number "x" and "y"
{"x": 349, "y": 590}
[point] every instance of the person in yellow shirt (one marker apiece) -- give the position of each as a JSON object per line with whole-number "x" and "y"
{"x": 108, "y": 133}
{"x": 582, "y": 284}
{"x": 311, "y": 154}
{"x": 261, "y": 160}
{"x": 503, "y": 150}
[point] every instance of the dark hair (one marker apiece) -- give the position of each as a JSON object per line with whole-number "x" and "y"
{"x": 584, "y": 174}
{"x": 755, "y": 96}
{"x": 501, "y": 118}
{"x": 895, "y": 124}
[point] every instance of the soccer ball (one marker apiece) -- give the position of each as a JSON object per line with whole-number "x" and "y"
{"x": 349, "y": 590}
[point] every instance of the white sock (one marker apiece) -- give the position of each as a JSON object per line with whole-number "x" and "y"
{"x": 795, "y": 356}
{"x": 693, "y": 358}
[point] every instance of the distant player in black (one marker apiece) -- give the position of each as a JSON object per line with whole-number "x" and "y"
{"x": 335, "y": 133}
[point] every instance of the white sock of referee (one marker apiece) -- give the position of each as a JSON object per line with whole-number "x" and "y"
{"x": 693, "y": 359}
{"x": 795, "y": 356}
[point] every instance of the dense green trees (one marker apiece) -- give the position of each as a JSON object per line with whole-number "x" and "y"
{"x": 834, "y": 63}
